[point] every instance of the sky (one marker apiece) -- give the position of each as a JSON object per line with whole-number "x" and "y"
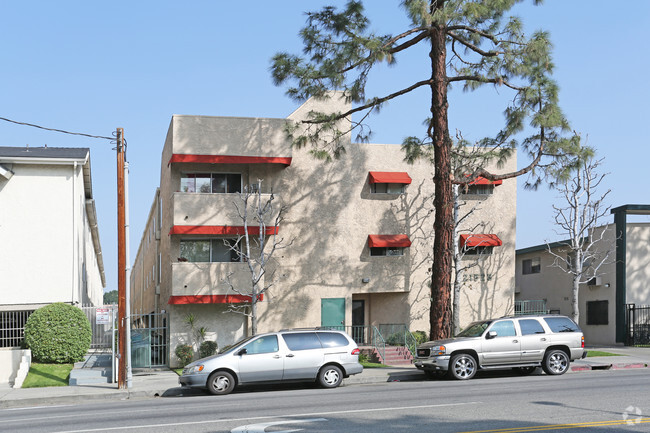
{"x": 92, "y": 67}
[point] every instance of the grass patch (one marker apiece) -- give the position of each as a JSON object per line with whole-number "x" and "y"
{"x": 591, "y": 353}
{"x": 367, "y": 364}
{"x": 178, "y": 371}
{"x": 42, "y": 375}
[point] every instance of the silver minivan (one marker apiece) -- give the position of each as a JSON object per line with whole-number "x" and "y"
{"x": 326, "y": 356}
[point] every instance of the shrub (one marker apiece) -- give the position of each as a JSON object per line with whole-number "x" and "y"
{"x": 58, "y": 334}
{"x": 184, "y": 353}
{"x": 421, "y": 337}
{"x": 207, "y": 348}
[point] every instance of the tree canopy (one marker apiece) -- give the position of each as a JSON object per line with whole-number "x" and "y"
{"x": 472, "y": 43}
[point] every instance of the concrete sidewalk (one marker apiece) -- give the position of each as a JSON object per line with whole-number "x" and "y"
{"x": 165, "y": 383}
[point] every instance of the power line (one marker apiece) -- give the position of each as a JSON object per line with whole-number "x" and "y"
{"x": 57, "y": 130}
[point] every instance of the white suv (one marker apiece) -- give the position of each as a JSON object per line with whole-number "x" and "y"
{"x": 522, "y": 342}
{"x": 292, "y": 355}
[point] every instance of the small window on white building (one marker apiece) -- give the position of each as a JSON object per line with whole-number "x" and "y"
{"x": 388, "y": 182}
{"x": 387, "y": 251}
{"x": 531, "y": 266}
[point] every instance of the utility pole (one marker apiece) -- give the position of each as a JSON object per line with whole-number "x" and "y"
{"x": 121, "y": 263}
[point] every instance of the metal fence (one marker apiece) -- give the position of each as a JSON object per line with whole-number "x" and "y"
{"x": 638, "y": 325}
{"x": 523, "y": 308}
{"x": 102, "y": 332}
{"x": 12, "y": 327}
{"x": 149, "y": 348}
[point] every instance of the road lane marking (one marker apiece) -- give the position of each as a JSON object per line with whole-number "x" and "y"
{"x": 313, "y": 414}
{"x": 559, "y": 426}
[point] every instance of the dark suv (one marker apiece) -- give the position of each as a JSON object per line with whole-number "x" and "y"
{"x": 522, "y": 342}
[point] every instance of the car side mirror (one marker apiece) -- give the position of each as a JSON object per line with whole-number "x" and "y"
{"x": 242, "y": 352}
{"x": 490, "y": 335}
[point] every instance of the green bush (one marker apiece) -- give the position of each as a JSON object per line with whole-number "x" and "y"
{"x": 421, "y": 337}
{"x": 185, "y": 353}
{"x": 395, "y": 339}
{"x": 207, "y": 348}
{"x": 58, "y": 334}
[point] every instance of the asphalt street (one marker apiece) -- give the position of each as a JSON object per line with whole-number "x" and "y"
{"x": 595, "y": 401}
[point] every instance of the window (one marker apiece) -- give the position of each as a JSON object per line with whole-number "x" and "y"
{"x": 505, "y": 328}
{"x": 531, "y": 266}
{"x": 478, "y": 189}
{"x": 387, "y": 188}
{"x": 562, "y": 324}
{"x": 480, "y": 250}
{"x": 332, "y": 339}
{"x": 386, "y": 251}
{"x": 210, "y": 250}
{"x": 216, "y": 183}
{"x": 530, "y": 326}
{"x": 302, "y": 341}
{"x": 266, "y": 344}
{"x": 597, "y": 313}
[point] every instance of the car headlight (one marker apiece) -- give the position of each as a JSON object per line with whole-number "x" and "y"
{"x": 193, "y": 369}
{"x": 438, "y": 350}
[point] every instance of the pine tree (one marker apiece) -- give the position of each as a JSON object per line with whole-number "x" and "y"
{"x": 470, "y": 42}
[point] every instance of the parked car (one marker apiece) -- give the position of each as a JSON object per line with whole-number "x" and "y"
{"x": 325, "y": 356}
{"x": 523, "y": 343}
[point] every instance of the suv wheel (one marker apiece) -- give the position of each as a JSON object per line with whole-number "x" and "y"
{"x": 330, "y": 376}
{"x": 462, "y": 366}
{"x": 555, "y": 362}
{"x": 221, "y": 383}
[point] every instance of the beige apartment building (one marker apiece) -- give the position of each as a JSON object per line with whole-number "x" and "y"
{"x": 605, "y": 301}
{"x": 358, "y": 233}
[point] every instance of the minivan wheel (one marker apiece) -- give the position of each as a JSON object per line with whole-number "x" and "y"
{"x": 221, "y": 383}
{"x": 330, "y": 376}
{"x": 462, "y": 366}
{"x": 555, "y": 362}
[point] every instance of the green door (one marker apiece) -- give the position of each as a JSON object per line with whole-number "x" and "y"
{"x": 332, "y": 313}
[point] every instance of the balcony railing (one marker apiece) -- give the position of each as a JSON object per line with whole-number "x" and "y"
{"x": 197, "y": 209}
{"x": 209, "y": 278}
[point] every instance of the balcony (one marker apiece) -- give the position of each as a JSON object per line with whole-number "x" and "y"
{"x": 191, "y": 279}
{"x": 192, "y": 209}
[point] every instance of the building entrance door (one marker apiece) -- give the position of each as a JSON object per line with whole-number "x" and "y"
{"x": 332, "y": 313}
{"x": 358, "y": 321}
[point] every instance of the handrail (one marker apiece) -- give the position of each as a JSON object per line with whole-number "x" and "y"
{"x": 379, "y": 343}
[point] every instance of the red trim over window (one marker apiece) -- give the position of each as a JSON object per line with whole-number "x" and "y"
{"x": 230, "y": 159}
{"x": 220, "y": 230}
{"x": 480, "y": 180}
{"x": 389, "y": 177}
{"x": 211, "y": 299}
{"x": 378, "y": 241}
{"x": 480, "y": 240}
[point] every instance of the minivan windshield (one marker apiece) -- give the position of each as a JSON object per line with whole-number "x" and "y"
{"x": 475, "y": 329}
{"x": 231, "y": 347}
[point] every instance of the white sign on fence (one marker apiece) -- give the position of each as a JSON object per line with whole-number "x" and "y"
{"x": 103, "y": 316}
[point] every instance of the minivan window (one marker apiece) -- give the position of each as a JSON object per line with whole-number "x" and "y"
{"x": 332, "y": 339}
{"x": 530, "y": 326}
{"x": 302, "y": 341}
{"x": 266, "y": 344}
{"x": 561, "y": 324}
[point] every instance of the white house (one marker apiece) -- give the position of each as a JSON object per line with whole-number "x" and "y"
{"x": 48, "y": 232}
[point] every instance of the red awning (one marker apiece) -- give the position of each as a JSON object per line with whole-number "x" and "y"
{"x": 230, "y": 159}
{"x": 480, "y": 241}
{"x": 389, "y": 177}
{"x": 220, "y": 230}
{"x": 483, "y": 181}
{"x": 210, "y": 299}
{"x": 375, "y": 241}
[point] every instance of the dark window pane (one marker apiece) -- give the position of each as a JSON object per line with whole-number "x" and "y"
{"x": 302, "y": 341}
{"x": 530, "y": 326}
{"x": 377, "y": 251}
{"x": 332, "y": 339}
{"x": 195, "y": 251}
{"x": 561, "y": 324}
{"x": 597, "y": 313}
{"x": 219, "y": 183}
{"x": 234, "y": 182}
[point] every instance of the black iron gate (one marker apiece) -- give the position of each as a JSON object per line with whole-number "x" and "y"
{"x": 638, "y": 324}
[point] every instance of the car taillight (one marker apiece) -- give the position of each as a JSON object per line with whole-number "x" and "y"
{"x": 355, "y": 351}
{"x": 583, "y": 341}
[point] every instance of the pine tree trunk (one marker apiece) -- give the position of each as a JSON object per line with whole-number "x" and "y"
{"x": 440, "y": 314}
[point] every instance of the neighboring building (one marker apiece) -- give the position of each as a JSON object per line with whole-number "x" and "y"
{"x": 622, "y": 281}
{"x": 48, "y": 232}
{"x": 361, "y": 232}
